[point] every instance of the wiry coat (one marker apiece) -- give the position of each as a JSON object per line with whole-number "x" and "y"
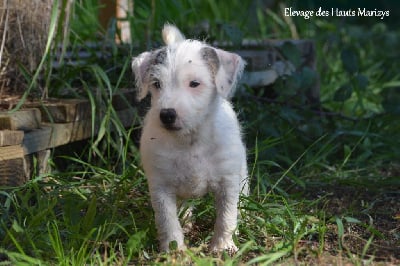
{"x": 191, "y": 141}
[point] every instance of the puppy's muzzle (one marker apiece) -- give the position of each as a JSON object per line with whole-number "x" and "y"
{"x": 168, "y": 117}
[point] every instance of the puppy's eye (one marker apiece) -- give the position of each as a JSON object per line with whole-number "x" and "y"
{"x": 157, "y": 84}
{"x": 194, "y": 83}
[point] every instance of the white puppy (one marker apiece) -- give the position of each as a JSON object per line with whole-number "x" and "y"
{"x": 191, "y": 141}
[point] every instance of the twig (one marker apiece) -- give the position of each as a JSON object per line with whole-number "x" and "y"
{"x": 4, "y": 33}
{"x": 20, "y": 32}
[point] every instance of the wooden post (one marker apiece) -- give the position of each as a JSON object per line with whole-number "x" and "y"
{"x": 107, "y": 12}
{"x": 118, "y": 9}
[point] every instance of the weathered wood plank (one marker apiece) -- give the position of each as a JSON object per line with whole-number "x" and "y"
{"x": 37, "y": 140}
{"x": 53, "y": 135}
{"x": 11, "y": 137}
{"x": 259, "y": 78}
{"x": 60, "y": 134}
{"x": 11, "y": 152}
{"x": 12, "y": 172}
{"x": 25, "y": 120}
{"x": 63, "y": 111}
{"x": 257, "y": 60}
{"x": 12, "y": 166}
{"x": 81, "y": 130}
{"x": 63, "y": 133}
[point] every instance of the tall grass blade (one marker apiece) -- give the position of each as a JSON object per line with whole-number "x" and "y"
{"x": 295, "y": 163}
{"x": 56, "y": 242}
{"x": 340, "y": 228}
{"x": 19, "y": 259}
{"x": 267, "y": 259}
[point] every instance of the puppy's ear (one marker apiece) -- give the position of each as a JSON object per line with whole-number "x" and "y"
{"x": 226, "y": 67}
{"x": 171, "y": 34}
{"x": 229, "y": 73}
{"x": 140, "y": 66}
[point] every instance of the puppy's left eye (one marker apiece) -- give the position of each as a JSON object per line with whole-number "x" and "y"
{"x": 194, "y": 83}
{"x": 157, "y": 84}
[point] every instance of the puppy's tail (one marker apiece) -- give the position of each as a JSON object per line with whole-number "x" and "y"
{"x": 171, "y": 34}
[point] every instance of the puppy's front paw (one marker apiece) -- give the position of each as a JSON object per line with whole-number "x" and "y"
{"x": 219, "y": 244}
{"x": 173, "y": 245}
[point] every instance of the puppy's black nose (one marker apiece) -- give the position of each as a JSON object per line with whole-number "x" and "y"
{"x": 168, "y": 116}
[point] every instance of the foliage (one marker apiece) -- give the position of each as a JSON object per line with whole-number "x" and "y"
{"x": 97, "y": 211}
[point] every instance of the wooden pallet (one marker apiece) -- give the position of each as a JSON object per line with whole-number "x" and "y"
{"x": 31, "y": 132}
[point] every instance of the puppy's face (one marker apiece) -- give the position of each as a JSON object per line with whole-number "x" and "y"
{"x": 184, "y": 79}
{"x": 182, "y": 84}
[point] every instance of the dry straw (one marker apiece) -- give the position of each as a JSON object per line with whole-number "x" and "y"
{"x": 24, "y": 28}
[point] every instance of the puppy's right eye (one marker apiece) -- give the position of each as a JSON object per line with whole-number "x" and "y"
{"x": 194, "y": 84}
{"x": 157, "y": 84}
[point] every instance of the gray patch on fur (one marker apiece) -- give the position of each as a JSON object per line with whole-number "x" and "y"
{"x": 160, "y": 56}
{"x": 211, "y": 57}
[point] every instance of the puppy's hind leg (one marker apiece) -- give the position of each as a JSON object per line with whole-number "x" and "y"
{"x": 226, "y": 206}
{"x": 166, "y": 218}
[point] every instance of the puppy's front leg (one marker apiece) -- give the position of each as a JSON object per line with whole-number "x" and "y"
{"x": 226, "y": 199}
{"x": 166, "y": 218}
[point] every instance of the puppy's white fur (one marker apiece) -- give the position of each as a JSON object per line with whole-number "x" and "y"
{"x": 191, "y": 141}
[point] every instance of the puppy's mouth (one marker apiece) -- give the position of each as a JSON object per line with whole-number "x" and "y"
{"x": 171, "y": 127}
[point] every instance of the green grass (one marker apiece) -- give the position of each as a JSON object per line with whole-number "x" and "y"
{"x": 321, "y": 179}
{"x": 106, "y": 219}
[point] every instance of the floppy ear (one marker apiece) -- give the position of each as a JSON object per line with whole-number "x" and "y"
{"x": 229, "y": 72}
{"x": 140, "y": 66}
{"x": 226, "y": 67}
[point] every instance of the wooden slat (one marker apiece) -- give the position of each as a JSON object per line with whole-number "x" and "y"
{"x": 53, "y": 135}
{"x": 63, "y": 133}
{"x": 259, "y": 78}
{"x": 80, "y": 130}
{"x": 257, "y": 60}
{"x": 25, "y": 120}
{"x": 11, "y": 137}
{"x": 12, "y": 172}
{"x": 68, "y": 111}
{"x": 37, "y": 140}
{"x": 11, "y": 152}
{"x": 63, "y": 111}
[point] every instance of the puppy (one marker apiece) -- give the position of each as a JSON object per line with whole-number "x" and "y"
{"x": 191, "y": 141}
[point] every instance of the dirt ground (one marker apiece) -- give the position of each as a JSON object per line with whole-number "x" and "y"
{"x": 377, "y": 206}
